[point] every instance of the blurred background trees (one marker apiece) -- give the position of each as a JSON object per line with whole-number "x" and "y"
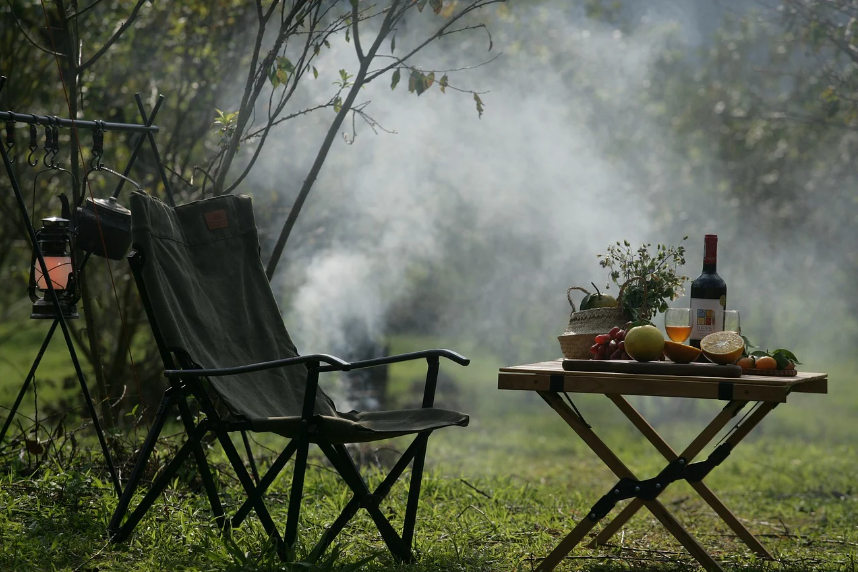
{"x": 606, "y": 120}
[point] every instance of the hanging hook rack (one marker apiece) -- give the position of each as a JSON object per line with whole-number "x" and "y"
{"x": 148, "y": 128}
{"x": 10, "y": 139}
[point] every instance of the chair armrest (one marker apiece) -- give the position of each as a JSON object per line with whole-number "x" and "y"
{"x": 334, "y": 364}
{"x": 451, "y": 355}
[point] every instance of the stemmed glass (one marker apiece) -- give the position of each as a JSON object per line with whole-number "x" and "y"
{"x": 731, "y": 321}
{"x": 677, "y": 324}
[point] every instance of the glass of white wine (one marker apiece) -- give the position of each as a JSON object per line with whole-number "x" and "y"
{"x": 731, "y": 321}
{"x": 677, "y": 324}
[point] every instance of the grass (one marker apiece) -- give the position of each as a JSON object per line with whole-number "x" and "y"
{"x": 498, "y": 495}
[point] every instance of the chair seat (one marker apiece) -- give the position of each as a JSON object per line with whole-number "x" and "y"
{"x": 365, "y": 426}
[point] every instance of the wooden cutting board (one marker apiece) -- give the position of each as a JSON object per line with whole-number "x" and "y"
{"x": 653, "y": 367}
{"x": 770, "y": 372}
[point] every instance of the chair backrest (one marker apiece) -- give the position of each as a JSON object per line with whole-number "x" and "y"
{"x": 210, "y": 300}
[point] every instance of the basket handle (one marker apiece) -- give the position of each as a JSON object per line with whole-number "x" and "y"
{"x": 568, "y": 297}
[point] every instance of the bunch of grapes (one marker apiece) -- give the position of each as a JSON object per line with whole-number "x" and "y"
{"x": 610, "y": 345}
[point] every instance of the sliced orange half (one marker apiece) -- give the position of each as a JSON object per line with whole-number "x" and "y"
{"x": 723, "y": 347}
{"x": 679, "y": 353}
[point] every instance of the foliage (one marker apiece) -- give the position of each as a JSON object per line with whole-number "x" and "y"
{"x": 648, "y": 281}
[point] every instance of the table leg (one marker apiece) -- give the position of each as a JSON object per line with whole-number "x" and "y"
{"x": 711, "y": 499}
{"x": 621, "y": 471}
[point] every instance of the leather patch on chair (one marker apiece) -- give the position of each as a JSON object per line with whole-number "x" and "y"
{"x": 216, "y": 219}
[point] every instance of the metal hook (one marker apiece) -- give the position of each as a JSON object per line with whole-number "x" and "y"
{"x": 34, "y": 145}
{"x": 10, "y": 139}
{"x": 55, "y": 131}
{"x": 49, "y": 144}
{"x": 95, "y": 163}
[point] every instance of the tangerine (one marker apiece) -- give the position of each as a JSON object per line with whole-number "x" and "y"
{"x": 723, "y": 347}
{"x": 746, "y": 363}
{"x": 680, "y": 353}
{"x": 767, "y": 362}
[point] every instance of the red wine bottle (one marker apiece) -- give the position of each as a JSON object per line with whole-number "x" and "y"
{"x": 708, "y": 295}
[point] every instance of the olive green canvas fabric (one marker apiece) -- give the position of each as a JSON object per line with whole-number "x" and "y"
{"x": 212, "y": 301}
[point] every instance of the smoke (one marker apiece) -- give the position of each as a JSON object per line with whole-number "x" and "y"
{"x": 472, "y": 228}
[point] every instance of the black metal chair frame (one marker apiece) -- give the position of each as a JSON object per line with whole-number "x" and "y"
{"x": 185, "y": 380}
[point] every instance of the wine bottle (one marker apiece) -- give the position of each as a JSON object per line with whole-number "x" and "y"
{"x": 708, "y": 295}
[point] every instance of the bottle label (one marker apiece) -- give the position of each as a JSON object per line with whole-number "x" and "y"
{"x": 707, "y": 316}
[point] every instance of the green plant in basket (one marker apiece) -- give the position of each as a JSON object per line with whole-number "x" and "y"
{"x": 651, "y": 279}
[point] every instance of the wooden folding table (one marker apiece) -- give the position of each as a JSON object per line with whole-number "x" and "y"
{"x": 763, "y": 393}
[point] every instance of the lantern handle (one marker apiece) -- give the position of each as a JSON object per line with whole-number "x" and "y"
{"x": 104, "y": 169}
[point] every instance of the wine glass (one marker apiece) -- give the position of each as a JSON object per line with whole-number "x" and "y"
{"x": 677, "y": 324}
{"x": 731, "y": 321}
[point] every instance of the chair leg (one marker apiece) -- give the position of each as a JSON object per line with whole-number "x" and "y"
{"x": 250, "y": 459}
{"x": 414, "y": 491}
{"x": 265, "y": 482}
{"x": 297, "y": 492}
{"x": 354, "y": 504}
{"x": 249, "y": 487}
{"x": 202, "y": 465}
{"x": 140, "y": 465}
{"x": 160, "y": 483}
{"x": 345, "y": 466}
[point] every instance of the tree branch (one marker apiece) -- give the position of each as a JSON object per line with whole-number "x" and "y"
{"x": 116, "y": 35}
{"x": 358, "y": 84}
{"x": 438, "y": 34}
{"x": 28, "y": 38}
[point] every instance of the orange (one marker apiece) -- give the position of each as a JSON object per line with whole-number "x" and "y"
{"x": 723, "y": 347}
{"x": 766, "y": 362}
{"x": 746, "y": 363}
{"x": 679, "y": 353}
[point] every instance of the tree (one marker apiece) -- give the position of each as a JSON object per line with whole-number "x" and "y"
{"x": 192, "y": 49}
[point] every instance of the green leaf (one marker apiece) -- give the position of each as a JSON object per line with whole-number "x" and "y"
{"x": 787, "y": 354}
{"x": 393, "y": 44}
{"x": 760, "y": 353}
{"x": 338, "y": 104}
{"x": 315, "y": 73}
{"x": 421, "y": 4}
{"x": 479, "y": 103}
{"x": 442, "y": 83}
{"x": 395, "y": 79}
{"x": 437, "y": 5}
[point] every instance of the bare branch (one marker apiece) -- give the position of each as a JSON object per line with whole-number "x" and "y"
{"x": 116, "y": 35}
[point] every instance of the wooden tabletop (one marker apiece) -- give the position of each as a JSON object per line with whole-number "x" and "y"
{"x": 550, "y": 376}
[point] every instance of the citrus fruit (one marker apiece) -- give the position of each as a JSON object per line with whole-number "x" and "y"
{"x": 644, "y": 343}
{"x": 723, "y": 347}
{"x": 602, "y": 301}
{"x": 746, "y": 363}
{"x": 767, "y": 362}
{"x": 679, "y": 353}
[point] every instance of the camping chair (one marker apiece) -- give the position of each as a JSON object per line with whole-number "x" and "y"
{"x": 222, "y": 341}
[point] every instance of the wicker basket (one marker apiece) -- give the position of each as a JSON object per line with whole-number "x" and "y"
{"x": 584, "y": 325}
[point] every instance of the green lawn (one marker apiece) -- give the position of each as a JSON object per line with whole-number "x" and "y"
{"x": 498, "y": 495}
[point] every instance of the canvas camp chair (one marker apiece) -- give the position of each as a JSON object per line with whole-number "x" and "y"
{"x": 223, "y": 342}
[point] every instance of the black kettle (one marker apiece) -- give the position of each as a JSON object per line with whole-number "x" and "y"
{"x": 115, "y": 223}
